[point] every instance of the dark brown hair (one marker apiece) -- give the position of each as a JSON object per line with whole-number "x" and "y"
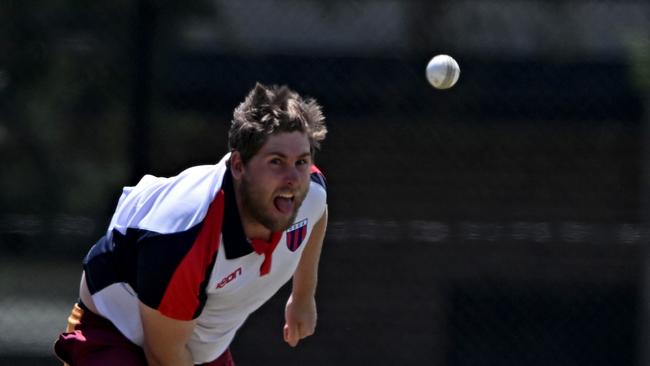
{"x": 269, "y": 110}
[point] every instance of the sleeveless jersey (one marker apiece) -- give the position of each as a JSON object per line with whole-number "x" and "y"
{"x": 177, "y": 245}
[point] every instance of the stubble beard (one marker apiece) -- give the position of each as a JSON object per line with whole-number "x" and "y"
{"x": 254, "y": 207}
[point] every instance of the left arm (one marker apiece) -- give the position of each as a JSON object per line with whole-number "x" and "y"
{"x": 165, "y": 339}
{"x": 300, "y": 312}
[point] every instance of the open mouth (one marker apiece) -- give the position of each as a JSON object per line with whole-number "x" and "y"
{"x": 284, "y": 203}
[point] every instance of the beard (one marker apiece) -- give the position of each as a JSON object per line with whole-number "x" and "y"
{"x": 256, "y": 206}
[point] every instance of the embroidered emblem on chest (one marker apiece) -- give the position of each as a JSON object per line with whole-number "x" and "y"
{"x": 296, "y": 234}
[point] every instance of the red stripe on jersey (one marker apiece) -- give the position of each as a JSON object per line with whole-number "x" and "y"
{"x": 182, "y": 296}
{"x": 314, "y": 169}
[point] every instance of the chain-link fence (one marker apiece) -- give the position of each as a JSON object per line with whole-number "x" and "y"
{"x": 500, "y": 222}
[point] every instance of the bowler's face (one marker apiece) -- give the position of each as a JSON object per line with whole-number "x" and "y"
{"x": 276, "y": 180}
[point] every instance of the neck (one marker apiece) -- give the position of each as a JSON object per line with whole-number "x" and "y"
{"x": 255, "y": 230}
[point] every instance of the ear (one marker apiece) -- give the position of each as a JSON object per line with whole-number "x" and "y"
{"x": 236, "y": 165}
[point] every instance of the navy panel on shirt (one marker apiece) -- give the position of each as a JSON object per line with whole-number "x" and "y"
{"x": 159, "y": 255}
{"x": 144, "y": 259}
{"x": 107, "y": 263}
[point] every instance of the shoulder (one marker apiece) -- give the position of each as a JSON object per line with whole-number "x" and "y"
{"x": 316, "y": 199}
{"x": 318, "y": 177}
{"x": 170, "y": 204}
{"x": 318, "y": 182}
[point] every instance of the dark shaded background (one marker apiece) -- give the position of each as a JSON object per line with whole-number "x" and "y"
{"x": 501, "y": 222}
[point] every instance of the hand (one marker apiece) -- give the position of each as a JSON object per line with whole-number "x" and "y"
{"x": 300, "y": 318}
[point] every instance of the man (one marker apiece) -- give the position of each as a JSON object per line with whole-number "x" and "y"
{"x": 186, "y": 259}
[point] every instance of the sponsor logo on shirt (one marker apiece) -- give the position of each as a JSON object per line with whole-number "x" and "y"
{"x": 231, "y": 277}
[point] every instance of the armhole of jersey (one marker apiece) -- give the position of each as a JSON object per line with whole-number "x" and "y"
{"x": 318, "y": 177}
{"x": 185, "y": 295}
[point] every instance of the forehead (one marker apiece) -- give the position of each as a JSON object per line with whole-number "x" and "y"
{"x": 294, "y": 143}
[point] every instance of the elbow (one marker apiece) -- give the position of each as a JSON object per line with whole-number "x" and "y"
{"x": 167, "y": 357}
{"x": 153, "y": 359}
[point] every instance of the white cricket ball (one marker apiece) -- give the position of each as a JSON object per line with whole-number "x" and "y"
{"x": 443, "y": 72}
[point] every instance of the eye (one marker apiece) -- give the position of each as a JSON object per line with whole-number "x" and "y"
{"x": 275, "y": 161}
{"x": 303, "y": 164}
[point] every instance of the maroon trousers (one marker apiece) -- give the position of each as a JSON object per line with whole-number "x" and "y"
{"x": 91, "y": 340}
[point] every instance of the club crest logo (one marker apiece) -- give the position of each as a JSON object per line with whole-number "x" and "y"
{"x": 296, "y": 234}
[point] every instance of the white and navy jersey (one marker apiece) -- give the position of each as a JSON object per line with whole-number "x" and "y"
{"x": 177, "y": 245}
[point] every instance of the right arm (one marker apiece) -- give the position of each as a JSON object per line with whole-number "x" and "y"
{"x": 165, "y": 339}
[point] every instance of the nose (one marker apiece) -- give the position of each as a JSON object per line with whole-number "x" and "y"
{"x": 291, "y": 176}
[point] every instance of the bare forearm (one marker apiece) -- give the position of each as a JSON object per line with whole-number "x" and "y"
{"x": 181, "y": 357}
{"x": 165, "y": 339}
{"x": 305, "y": 278}
{"x": 300, "y": 312}
{"x": 305, "y": 282}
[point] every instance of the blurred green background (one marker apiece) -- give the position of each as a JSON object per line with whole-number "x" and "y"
{"x": 501, "y": 222}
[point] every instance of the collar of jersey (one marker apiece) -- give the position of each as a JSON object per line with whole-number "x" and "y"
{"x": 235, "y": 242}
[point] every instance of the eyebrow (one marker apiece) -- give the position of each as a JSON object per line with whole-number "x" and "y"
{"x": 283, "y": 155}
